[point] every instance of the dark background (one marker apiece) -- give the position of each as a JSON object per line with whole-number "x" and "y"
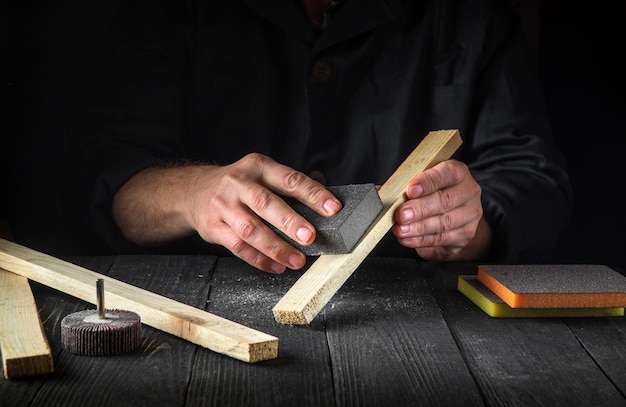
{"x": 49, "y": 51}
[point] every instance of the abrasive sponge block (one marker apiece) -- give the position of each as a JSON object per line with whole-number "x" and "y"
{"x": 493, "y": 305}
{"x": 340, "y": 233}
{"x": 555, "y": 285}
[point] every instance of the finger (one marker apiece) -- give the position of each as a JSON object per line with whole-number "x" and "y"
{"x": 278, "y": 213}
{"x": 252, "y": 255}
{"x": 430, "y": 226}
{"x": 451, "y": 238}
{"x": 244, "y": 251}
{"x": 247, "y": 227}
{"x": 452, "y": 229}
{"x": 433, "y": 204}
{"x": 289, "y": 182}
{"x": 439, "y": 253}
{"x": 442, "y": 175}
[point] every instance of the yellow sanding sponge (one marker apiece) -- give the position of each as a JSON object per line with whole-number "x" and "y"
{"x": 555, "y": 285}
{"x": 493, "y": 305}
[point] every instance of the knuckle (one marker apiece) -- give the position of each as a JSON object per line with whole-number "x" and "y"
{"x": 446, "y": 200}
{"x": 254, "y": 160}
{"x": 439, "y": 238}
{"x": 259, "y": 261}
{"x": 237, "y": 247}
{"x": 286, "y": 222}
{"x": 247, "y": 229}
{"x": 419, "y": 229}
{"x": 293, "y": 180}
{"x": 446, "y": 222}
{"x": 423, "y": 209}
{"x": 261, "y": 199}
{"x": 273, "y": 251}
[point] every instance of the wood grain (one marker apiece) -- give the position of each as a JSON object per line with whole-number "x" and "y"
{"x": 301, "y": 376}
{"x": 329, "y": 272}
{"x": 216, "y": 333}
{"x": 382, "y": 318}
{"x": 23, "y": 343}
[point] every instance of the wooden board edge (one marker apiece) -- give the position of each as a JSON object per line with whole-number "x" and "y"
{"x": 25, "y": 349}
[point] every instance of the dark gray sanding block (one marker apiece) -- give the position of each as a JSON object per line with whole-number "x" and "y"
{"x": 340, "y": 233}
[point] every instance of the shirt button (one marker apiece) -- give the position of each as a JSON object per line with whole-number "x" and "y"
{"x": 322, "y": 70}
{"x": 318, "y": 176}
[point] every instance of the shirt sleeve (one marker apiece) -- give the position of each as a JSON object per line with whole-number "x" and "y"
{"x": 129, "y": 119}
{"x": 487, "y": 87}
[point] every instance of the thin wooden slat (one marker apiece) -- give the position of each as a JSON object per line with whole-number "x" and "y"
{"x": 202, "y": 328}
{"x": 23, "y": 343}
{"x": 328, "y": 273}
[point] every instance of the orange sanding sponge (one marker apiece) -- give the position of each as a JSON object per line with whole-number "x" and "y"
{"x": 555, "y": 286}
{"x": 493, "y": 305}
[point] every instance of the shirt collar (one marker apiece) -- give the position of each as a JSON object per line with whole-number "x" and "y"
{"x": 348, "y": 18}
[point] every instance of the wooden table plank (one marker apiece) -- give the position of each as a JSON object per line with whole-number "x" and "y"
{"x": 534, "y": 361}
{"x": 389, "y": 343}
{"x": 605, "y": 341}
{"x": 381, "y": 340}
{"x": 300, "y": 375}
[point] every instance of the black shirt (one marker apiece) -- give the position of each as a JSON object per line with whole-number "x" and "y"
{"x": 213, "y": 81}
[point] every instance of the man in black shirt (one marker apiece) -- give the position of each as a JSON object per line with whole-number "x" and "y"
{"x": 211, "y": 110}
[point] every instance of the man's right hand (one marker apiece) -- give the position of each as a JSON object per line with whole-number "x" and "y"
{"x": 225, "y": 205}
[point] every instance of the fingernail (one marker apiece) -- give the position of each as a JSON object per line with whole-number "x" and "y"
{"x": 296, "y": 261}
{"x": 404, "y": 228}
{"x": 304, "y": 235}
{"x": 414, "y": 191}
{"x": 332, "y": 206}
{"x": 407, "y": 214}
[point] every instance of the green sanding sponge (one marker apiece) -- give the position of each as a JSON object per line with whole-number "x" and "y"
{"x": 555, "y": 285}
{"x": 340, "y": 233}
{"x": 494, "y": 306}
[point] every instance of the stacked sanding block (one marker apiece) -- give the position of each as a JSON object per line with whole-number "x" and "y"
{"x": 566, "y": 290}
{"x": 340, "y": 233}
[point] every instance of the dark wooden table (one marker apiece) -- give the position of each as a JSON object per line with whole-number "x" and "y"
{"x": 398, "y": 333}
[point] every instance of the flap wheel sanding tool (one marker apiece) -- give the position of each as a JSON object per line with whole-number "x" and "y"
{"x": 101, "y": 332}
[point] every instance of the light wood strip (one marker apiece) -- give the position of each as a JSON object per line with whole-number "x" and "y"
{"x": 23, "y": 343}
{"x": 202, "y": 328}
{"x": 327, "y": 274}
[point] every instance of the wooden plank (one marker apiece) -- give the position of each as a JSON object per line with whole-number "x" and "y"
{"x": 524, "y": 361}
{"x": 23, "y": 343}
{"x": 322, "y": 280}
{"x": 390, "y": 344}
{"x": 200, "y": 327}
